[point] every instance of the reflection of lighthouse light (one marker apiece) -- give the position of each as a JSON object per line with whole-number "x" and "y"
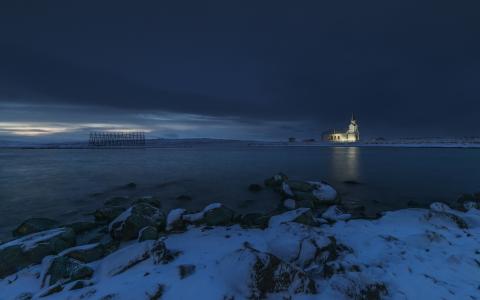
{"x": 352, "y": 135}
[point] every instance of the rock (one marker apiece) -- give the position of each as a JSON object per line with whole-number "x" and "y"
{"x": 31, "y": 249}
{"x": 81, "y": 227}
{"x": 107, "y": 214}
{"x": 86, "y": 253}
{"x": 289, "y": 203}
{"x": 175, "y": 221}
{"x": 300, "y": 186}
{"x": 467, "y": 201}
{"x": 184, "y": 198}
{"x": 263, "y": 273}
{"x": 131, "y": 185}
{"x": 148, "y": 233}
{"x": 352, "y": 182}
{"x": 34, "y": 225}
{"x": 255, "y": 187}
{"x": 128, "y": 224}
{"x": 299, "y": 215}
{"x": 254, "y": 220}
{"x": 186, "y": 270}
{"x": 155, "y": 202}
{"x": 118, "y": 201}
{"x": 305, "y": 203}
{"x": 334, "y": 213}
{"x": 65, "y": 269}
{"x": 276, "y": 180}
{"x": 219, "y": 216}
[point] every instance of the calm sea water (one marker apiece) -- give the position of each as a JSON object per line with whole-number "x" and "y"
{"x": 67, "y": 184}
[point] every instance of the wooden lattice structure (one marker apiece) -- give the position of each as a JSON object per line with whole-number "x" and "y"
{"x": 116, "y": 138}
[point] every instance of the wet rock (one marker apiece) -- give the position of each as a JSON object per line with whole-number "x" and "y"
{"x": 155, "y": 202}
{"x": 148, "y": 233}
{"x": 300, "y": 186}
{"x": 131, "y": 185}
{"x": 264, "y": 273}
{"x": 34, "y": 225}
{"x": 128, "y": 224}
{"x": 184, "y": 198}
{"x": 276, "y": 180}
{"x": 352, "y": 182}
{"x": 82, "y": 227}
{"x": 86, "y": 253}
{"x": 31, "y": 249}
{"x": 118, "y": 201}
{"x": 255, "y": 187}
{"x": 219, "y": 216}
{"x": 65, "y": 269}
{"x": 107, "y": 214}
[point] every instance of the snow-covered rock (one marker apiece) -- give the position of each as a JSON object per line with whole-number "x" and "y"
{"x": 174, "y": 219}
{"x": 333, "y": 213}
{"x": 34, "y": 225}
{"x": 31, "y": 249}
{"x": 128, "y": 224}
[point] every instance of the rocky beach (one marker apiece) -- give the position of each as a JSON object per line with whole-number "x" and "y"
{"x": 313, "y": 246}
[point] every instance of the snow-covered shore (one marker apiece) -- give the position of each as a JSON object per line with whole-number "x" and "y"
{"x": 327, "y": 251}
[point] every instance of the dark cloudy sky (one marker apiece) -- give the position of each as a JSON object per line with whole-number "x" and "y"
{"x": 239, "y": 69}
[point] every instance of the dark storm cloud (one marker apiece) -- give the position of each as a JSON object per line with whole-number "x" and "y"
{"x": 405, "y": 67}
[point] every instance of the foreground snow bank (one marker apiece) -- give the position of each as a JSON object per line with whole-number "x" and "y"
{"x": 407, "y": 254}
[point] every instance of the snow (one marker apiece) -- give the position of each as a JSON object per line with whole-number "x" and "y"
{"x": 173, "y": 216}
{"x": 195, "y": 217}
{"x": 30, "y": 241}
{"x": 286, "y": 189}
{"x": 121, "y": 218}
{"x": 323, "y": 191}
{"x": 333, "y": 213}
{"x": 287, "y": 217}
{"x": 414, "y": 253}
{"x": 289, "y": 203}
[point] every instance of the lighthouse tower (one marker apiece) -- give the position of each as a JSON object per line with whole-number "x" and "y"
{"x": 353, "y": 135}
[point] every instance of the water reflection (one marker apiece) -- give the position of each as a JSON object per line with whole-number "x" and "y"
{"x": 345, "y": 163}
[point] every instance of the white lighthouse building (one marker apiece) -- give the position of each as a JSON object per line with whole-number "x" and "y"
{"x": 351, "y": 136}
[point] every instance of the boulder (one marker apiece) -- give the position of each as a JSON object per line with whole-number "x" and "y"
{"x": 276, "y": 180}
{"x": 31, "y": 249}
{"x": 34, "y": 225}
{"x": 128, "y": 224}
{"x": 86, "y": 253}
{"x": 107, "y": 214}
{"x": 300, "y": 186}
{"x": 299, "y": 215}
{"x": 175, "y": 221}
{"x": 258, "y": 274}
{"x": 214, "y": 214}
{"x": 317, "y": 193}
{"x": 219, "y": 216}
{"x": 148, "y": 233}
{"x": 65, "y": 269}
{"x": 81, "y": 227}
{"x": 155, "y": 202}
